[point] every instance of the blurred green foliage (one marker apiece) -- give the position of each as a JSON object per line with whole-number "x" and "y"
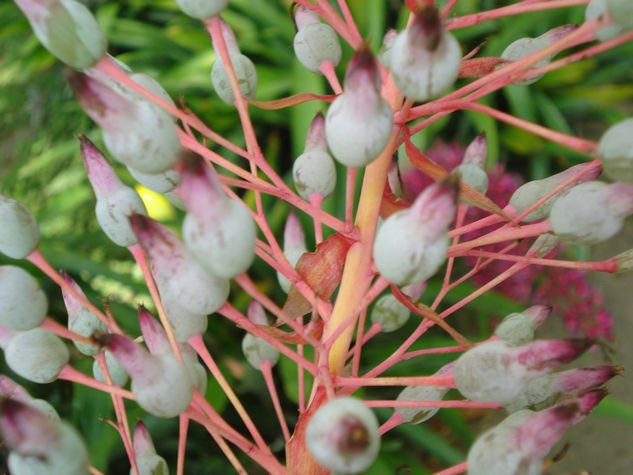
{"x": 40, "y": 164}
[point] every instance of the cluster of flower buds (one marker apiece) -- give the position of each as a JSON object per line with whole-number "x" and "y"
{"x": 616, "y": 151}
{"x": 591, "y": 212}
{"x": 19, "y": 234}
{"x": 148, "y": 461}
{"x": 424, "y": 58}
{"x": 160, "y": 383}
{"x": 498, "y": 371}
{"x": 315, "y": 42}
{"x": 472, "y": 169}
{"x": 188, "y": 291}
{"x": 254, "y": 348}
{"x": 392, "y": 314}
{"x": 518, "y": 328}
{"x": 596, "y": 9}
{"x": 218, "y": 230}
{"x": 343, "y": 437}
{"x": 314, "y": 172}
{"x": 23, "y": 303}
{"x": 67, "y": 29}
{"x": 358, "y": 123}
{"x": 36, "y": 354}
{"x": 202, "y": 9}
{"x": 411, "y": 245}
{"x": 294, "y": 247}
{"x": 417, "y": 415}
{"x": 39, "y": 442}
{"x": 526, "y": 46}
{"x": 521, "y": 441}
{"x": 242, "y": 65}
{"x": 529, "y": 193}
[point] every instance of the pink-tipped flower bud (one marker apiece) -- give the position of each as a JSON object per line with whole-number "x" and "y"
{"x": 622, "y": 12}
{"x": 115, "y": 201}
{"x": 137, "y": 132}
{"x": 257, "y": 314}
{"x": 525, "y": 46}
{"x": 313, "y": 171}
{"x": 616, "y": 151}
{"x": 160, "y": 182}
{"x": 36, "y": 355}
{"x": 411, "y": 245}
{"x": 497, "y": 371}
{"x": 596, "y": 9}
{"x": 392, "y": 314}
{"x": 67, "y": 29}
{"x": 294, "y": 246}
{"x": 343, "y": 436}
{"x": 529, "y": 193}
{"x": 23, "y": 303}
{"x": 187, "y": 290}
{"x": 543, "y": 245}
{"x": 11, "y": 389}
{"x": 477, "y": 151}
{"x": 315, "y": 42}
{"x": 81, "y": 320}
{"x": 118, "y": 375}
{"x": 202, "y": 9}
{"x": 543, "y": 391}
{"x": 425, "y": 58}
{"x": 160, "y": 383}
{"x": 218, "y": 230}
{"x": 417, "y": 415}
{"x": 522, "y": 440}
{"x": 243, "y": 67}
{"x": 40, "y": 444}
{"x": 518, "y": 328}
{"x": 471, "y": 170}
{"x": 156, "y": 340}
{"x": 358, "y": 123}
{"x": 591, "y": 212}
{"x": 19, "y": 234}
{"x": 147, "y": 460}
{"x": 384, "y": 55}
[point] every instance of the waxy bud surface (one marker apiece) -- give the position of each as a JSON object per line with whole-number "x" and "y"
{"x": 294, "y": 246}
{"x": 147, "y": 460}
{"x": 202, "y": 9}
{"x": 315, "y": 42}
{"x": 19, "y": 234}
{"x": 616, "y": 151}
{"x": 597, "y": 8}
{"x": 518, "y": 328}
{"x": 23, "y": 303}
{"x": 417, "y": 415}
{"x": 118, "y": 375}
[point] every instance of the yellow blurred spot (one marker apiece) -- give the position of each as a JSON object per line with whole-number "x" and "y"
{"x": 158, "y": 207}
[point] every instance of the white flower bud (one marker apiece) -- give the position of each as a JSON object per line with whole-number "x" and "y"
{"x": 474, "y": 176}
{"x": 597, "y": 8}
{"x": 257, "y": 350}
{"x": 202, "y": 9}
{"x": 343, "y": 436}
{"x": 390, "y": 313}
{"x": 622, "y": 12}
{"x": 518, "y": 328}
{"x": 315, "y": 42}
{"x": 417, "y": 415}
{"x": 294, "y": 247}
{"x": 147, "y": 460}
{"x": 23, "y": 304}
{"x": 160, "y": 183}
{"x": 19, "y": 234}
{"x": 616, "y": 151}
{"x": 117, "y": 372}
{"x": 36, "y": 355}
{"x": 425, "y": 58}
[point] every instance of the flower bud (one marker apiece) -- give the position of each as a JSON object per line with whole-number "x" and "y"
{"x": 147, "y": 460}
{"x": 342, "y": 436}
{"x": 23, "y": 304}
{"x": 544, "y": 390}
{"x": 81, "y": 320}
{"x": 616, "y": 151}
{"x": 477, "y": 151}
{"x": 473, "y": 176}
{"x": 417, "y": 415}
{"x": 178, "y": 275}
{"x": 411, "y": 245}
{"x": 425, "y": 58}
{"x": 137, "y": 132}
{"x": 384, "y": 55}
{"x": 243, "y": 67}
{"x": 36, "y": 355}
{"x": 390, "y": 313}
{"x": 591, "y": 212}
{"x": 19, "y": 234}
{"x": 518, "y": 328}
{"x": 11, "y": 389}
{"x": 543, "y": 245}
{"x": 67, "y": 29}
{"x": 315, "y": 42}
{"x": 257, "y": 350}
{"x": 529, "y": 193}
{"x": 202, "y": 9}
{"x": 622, "y": 12}
{"x": 521, "y": 441}
{"x": 160, "y": 183}
{"x": 525, "y": 46}
{"x": 597, "y": 8}
{"x": 358, "y": 123}
{"x": 294, "y": 246}
{"x": 313, "y": 171}
{"x": 218, "y": 230}
{"x": 118, "y": 375}
{"x": 497, "y": 371}
{"x": 160, "y": 383}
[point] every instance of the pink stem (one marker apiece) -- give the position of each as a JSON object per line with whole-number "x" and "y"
{"x": 448, "y": 7}
{"x": 462, "y": 208}
{"x": 445, "y": 381}
{"x": 183, "y": 426}
{"x": 349, "y": 19}
{"x": 433, "y": 351}
{"x": 394, "y": 421}
{"x": 506, "y": 234}
{"x": 301, "y": 383}
{"x": 359, "y": 338}
{"x": 482, "y": 223}
{"x": 317, "y": 200}
{"x": 454, "y": 470}
{"x": 267, "y": 371}
{"x": 69, "y": 373}
{"x": 456, "y": 404}
{"x": 609, "y": 265}
{"x": 61, "y": 331}
{"x": 327, "y": 68}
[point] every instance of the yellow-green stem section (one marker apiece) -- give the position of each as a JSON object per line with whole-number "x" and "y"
{"x": 354, "y": 283}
